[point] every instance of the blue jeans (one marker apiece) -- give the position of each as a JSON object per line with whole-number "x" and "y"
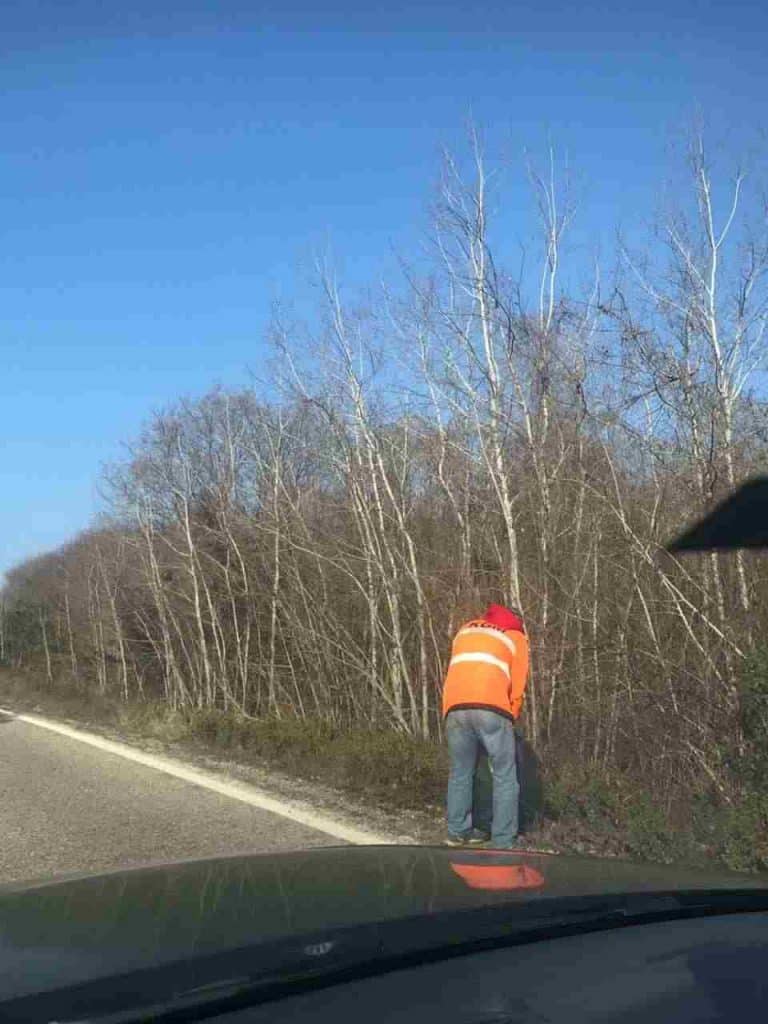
{"x": 470, "y": 732}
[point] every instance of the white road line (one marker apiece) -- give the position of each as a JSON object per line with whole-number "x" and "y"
{"x": 242, "y": 791}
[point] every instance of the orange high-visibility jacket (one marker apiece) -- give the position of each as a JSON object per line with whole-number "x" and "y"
{"x": 488, "y": 669}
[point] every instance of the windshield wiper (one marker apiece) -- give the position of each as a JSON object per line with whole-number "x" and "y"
{"x": 205, "y": 986}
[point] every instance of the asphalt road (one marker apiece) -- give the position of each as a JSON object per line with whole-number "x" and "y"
{"x": 68, "y": 807}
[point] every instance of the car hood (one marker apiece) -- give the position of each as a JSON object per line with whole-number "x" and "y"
{"x": 78, "y": 930}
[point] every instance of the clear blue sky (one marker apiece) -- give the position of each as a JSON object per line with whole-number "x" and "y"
{"x": 168, "y": 167}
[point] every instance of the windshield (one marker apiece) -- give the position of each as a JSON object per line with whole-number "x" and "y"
{"x": 358, "y": 369}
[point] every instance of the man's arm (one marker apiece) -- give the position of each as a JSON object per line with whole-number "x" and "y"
{"x": 518, "y": 671}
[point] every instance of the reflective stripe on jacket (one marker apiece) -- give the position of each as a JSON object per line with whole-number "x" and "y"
{"x": 488, "y": 669}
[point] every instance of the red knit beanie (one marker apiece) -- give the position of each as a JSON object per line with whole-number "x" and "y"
{"x": 504, "y": 618}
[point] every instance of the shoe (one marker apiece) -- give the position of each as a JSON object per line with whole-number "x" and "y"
{"x": 454, "y": 841}
{"x": 477, "y": 837}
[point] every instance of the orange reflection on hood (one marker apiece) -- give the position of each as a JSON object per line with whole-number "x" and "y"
{"x": 496, "y": 873}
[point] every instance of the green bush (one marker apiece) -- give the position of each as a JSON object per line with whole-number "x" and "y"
{"x": 651, "y": 834}
{"x": 582, "y": 795}
{"x": 743, "y": 839}
{"x": 751, "y": 765}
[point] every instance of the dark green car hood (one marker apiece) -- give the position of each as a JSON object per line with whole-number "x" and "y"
{"x": 77, "y": 930}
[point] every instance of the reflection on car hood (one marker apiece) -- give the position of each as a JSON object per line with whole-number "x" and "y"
{"x": 81, "y": 929}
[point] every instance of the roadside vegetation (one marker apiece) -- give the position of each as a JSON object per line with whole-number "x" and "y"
{"x": 279, "y": 570}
